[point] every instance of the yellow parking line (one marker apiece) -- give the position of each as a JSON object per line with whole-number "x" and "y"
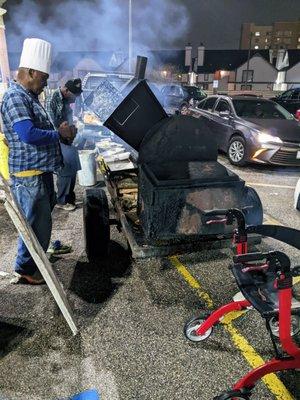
{"x": 273, "y": 383}
{"x": 270, "y": 185}
{"x": 192, "y": 281}
{"x": 268, "y": 219}
{"x": 296, "y": 280}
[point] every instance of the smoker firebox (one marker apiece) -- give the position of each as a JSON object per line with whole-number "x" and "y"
{"x": 178, "y": 174}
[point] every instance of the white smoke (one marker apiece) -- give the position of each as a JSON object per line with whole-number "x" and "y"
{"x": 84, "y": 25}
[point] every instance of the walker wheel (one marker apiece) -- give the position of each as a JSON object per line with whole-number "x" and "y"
{"x": 193, "y": 324}
{"x": 234, "y": 395}
{"x": 295, "y": 326}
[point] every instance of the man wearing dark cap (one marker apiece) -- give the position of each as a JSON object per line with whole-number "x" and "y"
{"x": 58, "y": 107}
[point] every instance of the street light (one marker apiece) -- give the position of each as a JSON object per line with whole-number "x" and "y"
{"x": 129, "y": 33}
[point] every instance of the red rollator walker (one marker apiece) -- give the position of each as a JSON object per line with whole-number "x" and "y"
{"x": 266, "y": 282}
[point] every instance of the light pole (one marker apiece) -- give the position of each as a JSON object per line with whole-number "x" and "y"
{"x": 129, "y": 34}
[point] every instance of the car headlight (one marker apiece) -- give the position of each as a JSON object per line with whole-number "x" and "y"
{"x": 266, "y": 138}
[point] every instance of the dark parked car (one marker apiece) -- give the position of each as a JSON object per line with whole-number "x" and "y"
{"x": 290, "y": 100}
{"x": 177, "y": 97}
{"x": 252, "y": 129}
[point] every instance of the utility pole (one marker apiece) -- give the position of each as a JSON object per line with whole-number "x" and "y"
{"x": 130, "y": 34}
{"x": 248, "y": 59}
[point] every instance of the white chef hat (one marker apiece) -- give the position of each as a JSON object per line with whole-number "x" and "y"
{"x": 36, "y": 54}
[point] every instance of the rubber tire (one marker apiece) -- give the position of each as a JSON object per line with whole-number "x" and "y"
{"x": 185, "y": 105}
{"x": 298, "y": 203}
{"x": 293, "y": 334}
{"x": 232, "y": 394}
{"x": 203, "y": 317}
{"x": 96, "y": 223}
{"x": 254, "y": 215}
{"x": 243, "y": 162}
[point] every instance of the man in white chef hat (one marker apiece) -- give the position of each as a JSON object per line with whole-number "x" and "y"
{"x": 34, "y": 150}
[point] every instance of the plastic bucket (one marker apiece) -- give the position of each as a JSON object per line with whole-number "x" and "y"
{"x": 87, "y": 176}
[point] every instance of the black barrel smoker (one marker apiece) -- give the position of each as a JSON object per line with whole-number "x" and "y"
{"x": 178, "y": 176}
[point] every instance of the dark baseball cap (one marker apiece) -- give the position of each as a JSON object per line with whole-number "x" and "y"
{"x": 74, "y": 85}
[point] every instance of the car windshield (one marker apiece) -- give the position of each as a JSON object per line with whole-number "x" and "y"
{"x": 194, "y": 91}
{"x": 260, "y": 109}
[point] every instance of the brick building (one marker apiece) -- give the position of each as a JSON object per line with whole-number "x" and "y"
{"x": 280, "y": 35}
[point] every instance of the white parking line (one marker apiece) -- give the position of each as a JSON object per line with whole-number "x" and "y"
{"x": 271, "y": 185}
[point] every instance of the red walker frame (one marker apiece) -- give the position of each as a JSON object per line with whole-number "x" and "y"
{"x": 284, "y": 282}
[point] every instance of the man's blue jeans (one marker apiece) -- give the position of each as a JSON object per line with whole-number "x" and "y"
{"x": 36, "y": 198}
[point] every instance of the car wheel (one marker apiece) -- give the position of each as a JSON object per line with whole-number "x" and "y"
{"x": 184, "y": 108}
{"x": 237, "y": 151}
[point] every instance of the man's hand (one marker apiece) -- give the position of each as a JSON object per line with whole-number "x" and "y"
{"x": 66, "y": 132}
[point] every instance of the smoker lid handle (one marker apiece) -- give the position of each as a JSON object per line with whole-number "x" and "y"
{"x": 215, "y": 213}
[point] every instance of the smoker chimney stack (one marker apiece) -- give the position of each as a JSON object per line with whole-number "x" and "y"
{"x": 282, "y": 59}
{"x": 140, "y": 69}
{"x": 200, "y": 58}
{"x": 188, "y": 55}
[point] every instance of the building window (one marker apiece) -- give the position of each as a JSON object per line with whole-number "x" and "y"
{"x": 206, "y": 77}
{"x": 205, "y": 86}
{"x": 269, "y": 33}
{"x": 287, "y": 40}
{"x": 246, "y": 87}
{"x": 298, "y": 46}
{"x": 257, "y": 33}
{"x": 279, "y": 33}
{"x": 278, "y": 39}
{"x": 298, "y": 39}
{"x": 256, "y": 47}
{"x": 266, "y": 40}
{"x": 248, "y": 75}
{"x": 287, "y": 33}
{"x": 256, "y": 40}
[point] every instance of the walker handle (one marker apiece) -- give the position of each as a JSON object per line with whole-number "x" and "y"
{"x": 243, "y": 258}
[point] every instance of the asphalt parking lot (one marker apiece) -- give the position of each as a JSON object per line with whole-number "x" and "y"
{"x": 131, "y": 316}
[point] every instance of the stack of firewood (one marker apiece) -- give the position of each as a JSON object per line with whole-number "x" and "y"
{"x": 128, "y": 193}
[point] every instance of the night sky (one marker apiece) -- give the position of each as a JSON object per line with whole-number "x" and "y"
{"x": 216, "y": 23}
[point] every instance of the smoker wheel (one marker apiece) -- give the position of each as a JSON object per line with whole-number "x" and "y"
{"x": 96, "y": 223}
{"x": 252, "y": 207}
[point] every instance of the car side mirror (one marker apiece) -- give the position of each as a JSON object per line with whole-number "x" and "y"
{"x": 224, "y": 114}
